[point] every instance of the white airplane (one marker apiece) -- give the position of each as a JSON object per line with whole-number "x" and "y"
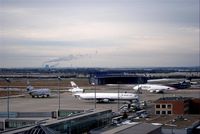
{"x": 163, "y": 80}
{"x": 178, "y": 83}
{"x": 41, "y": 92}
{"x": 101, "y": 97}
{"x": 107, "y": 97}
{"x": 153, "y": 88}
{"x": 75, "y": 88}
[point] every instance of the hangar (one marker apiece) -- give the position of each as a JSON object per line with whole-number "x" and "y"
{"x": 123, "y": 78}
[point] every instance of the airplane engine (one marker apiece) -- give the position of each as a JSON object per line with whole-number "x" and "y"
{"x": 151, "y": 91}
{"x": 106, "y": 100}
{"x": 159, "y": 91}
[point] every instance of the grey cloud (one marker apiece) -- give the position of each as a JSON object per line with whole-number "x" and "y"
{"x": 72, "y": 57}
{"x": 153, "y": 18}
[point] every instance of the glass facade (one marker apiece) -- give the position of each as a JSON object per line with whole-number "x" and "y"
{"x": 72, "y": 125}
{"x": 18, "y": 123}
{"x": 83, "y": 123}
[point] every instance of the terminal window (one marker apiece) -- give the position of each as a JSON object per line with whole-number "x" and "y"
{"x": 169, "y": 106}
{"x": 169, "y": 112}
{"x": 157, "y": 106}
{"x": 163, "y": 112}
{"x": 157, "y": 112}
{"x": 163, "y": 106}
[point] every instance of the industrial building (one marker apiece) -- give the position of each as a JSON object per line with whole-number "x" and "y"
{"x": 172, "y": 105}
{"x": 177, "y": 105}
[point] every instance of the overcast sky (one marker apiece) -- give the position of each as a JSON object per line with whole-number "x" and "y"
{"x": 99, "y": 33}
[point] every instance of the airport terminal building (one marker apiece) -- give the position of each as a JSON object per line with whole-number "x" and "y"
{"x": 76, "y": 124}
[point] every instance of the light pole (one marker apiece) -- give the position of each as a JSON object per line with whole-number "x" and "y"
{"x": 59, "y": 79}
{"x": 94, "y": 95}
{"x": 118, "y": 98}
{"x": 8, "y": 97}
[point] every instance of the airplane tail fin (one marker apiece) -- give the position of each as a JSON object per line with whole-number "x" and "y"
{"x": 29, "y": 88}
{"x": 73, "y": 84}
{"x": 137, "y": 89}
{"x": 75, "y": 88}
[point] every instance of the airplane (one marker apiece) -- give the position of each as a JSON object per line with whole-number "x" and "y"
{"x": 41, "y": 92}
{"x": 75, "y": 88}
{"x": 153, "y": 88}
{"x": 176, "y": 83}
{"x": 101, "y": 97}
{"x": 107, "y": 97}
{"x": 162, "y": 80}
{"x": 181, "y": 85}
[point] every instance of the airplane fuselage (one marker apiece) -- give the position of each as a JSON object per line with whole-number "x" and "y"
{"x": 153, "y": 88}
{"x": 106, "y": 97}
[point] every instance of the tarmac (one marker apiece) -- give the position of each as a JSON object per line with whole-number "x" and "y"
{"x": 67, "y": 101}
